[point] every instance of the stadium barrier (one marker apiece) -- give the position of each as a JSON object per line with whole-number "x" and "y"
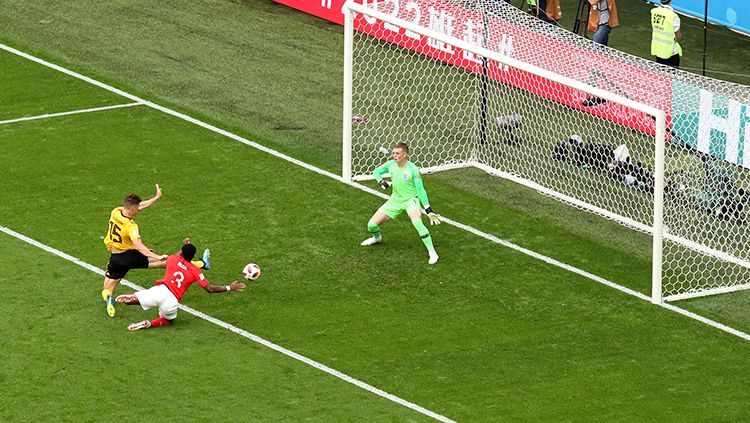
{"x": 326, "y": 9}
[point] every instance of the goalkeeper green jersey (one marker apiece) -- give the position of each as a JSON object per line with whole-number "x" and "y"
{"x": 406, "y": 181}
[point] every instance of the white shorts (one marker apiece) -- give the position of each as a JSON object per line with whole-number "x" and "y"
{"x": 159, "y": 296}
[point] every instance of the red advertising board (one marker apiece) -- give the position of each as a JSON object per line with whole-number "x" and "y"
{"x": 326, "y": 9}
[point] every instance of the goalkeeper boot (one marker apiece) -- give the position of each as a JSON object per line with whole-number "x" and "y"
{"x": 111, "y": 306}
{"x": 433, "y": 258}
{"x": 371, "y": 241}
{"x": 206, "y": 259}
{"x": 145, "y": 324}
{"x": 127, "y": 299}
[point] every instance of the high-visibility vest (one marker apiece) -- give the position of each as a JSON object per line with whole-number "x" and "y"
{"x": 663, "y": 39}
{"x": 532, "y": 3}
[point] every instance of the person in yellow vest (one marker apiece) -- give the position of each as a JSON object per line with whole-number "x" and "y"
{"x": 665, "y": 35}
{"x": 602, "y": 18}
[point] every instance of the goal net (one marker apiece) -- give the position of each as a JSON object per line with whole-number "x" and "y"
{"x": 481, "y": 84}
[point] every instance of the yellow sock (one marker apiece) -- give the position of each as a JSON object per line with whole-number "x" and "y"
{"x": 106, "y": 293}
{"x": 198, "y": 263}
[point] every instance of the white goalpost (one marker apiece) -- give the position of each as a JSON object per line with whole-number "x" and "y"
{"x": 479, "y": 84}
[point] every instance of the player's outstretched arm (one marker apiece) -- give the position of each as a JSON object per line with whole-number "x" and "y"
{"x": 146, "y": 203}
{"x": 234, "y": 286}
{"x": 147, "y": 251}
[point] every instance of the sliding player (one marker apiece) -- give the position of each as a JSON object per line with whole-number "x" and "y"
{"x": 167, "y": 293}
{"x": 408, "y": 192}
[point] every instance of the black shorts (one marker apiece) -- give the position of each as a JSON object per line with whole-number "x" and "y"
{"x": 120, "y": 263}
{"x": 673, "y": 61}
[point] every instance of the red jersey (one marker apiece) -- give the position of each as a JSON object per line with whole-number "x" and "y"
{"x": 180, "y": 274}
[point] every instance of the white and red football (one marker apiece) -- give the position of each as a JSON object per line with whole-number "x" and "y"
{"x": 251, "y": 272}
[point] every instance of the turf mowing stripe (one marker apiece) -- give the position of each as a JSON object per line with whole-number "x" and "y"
{"x": 241, "y": 332}
{"x": 72, "y": 112}
{"x": 312, "y": 168}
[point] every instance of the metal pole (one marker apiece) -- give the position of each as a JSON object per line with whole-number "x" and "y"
{"x": 658, "y": 234}
{"x": 483, "y": 105}
{"x": 483, "y": 83}
{"x": 346, "y": 148}
{"x": 705, "y": 35}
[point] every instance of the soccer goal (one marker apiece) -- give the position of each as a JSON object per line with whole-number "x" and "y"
{"x": 480, "y": 84}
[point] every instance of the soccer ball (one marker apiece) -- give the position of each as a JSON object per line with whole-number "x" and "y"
{"x": 251, "y": 272}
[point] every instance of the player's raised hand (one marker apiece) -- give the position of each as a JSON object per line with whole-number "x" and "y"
{"x": 236, "y": 286}
{"x": 152, "y": 200}
{"x": 435, "y": 218}
{"x": 384, "y": 184}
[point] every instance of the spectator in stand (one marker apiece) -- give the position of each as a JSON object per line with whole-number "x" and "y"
{"x": 602, "y": 18}
{"x": 547, "y": 10}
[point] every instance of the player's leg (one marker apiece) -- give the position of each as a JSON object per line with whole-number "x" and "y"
{"x": 109, "y": 287}
{"x": 116, "y": 270}
{"x": 108, "y": 294}
{"x": 119, "y": 265}
{"x": 145, "y": 324}
{"x": 205, "y": 261}
{"x": 416, "y": 220}
{"x": 390, "y": 210}
{"x": 373, "y": 226}
{"x": 156, "y": 263}
{"x": 156, "y": 296}
{"x": 127, "y": 299}
{"x": 113, "y": 273}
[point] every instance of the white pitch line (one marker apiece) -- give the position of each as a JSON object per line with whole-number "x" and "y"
{"x": 312, "y": 168}
{"x": 72, "y": 112}
{"x": 241, "y": 332}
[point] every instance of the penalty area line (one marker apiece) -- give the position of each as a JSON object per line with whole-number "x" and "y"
{"x": 72, "y": 112}
{"x": 239, "y": 331}
{"x": 364, "y": 188}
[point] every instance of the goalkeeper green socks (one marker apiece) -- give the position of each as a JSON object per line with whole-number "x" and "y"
{"x": 374, "y": 229}
{"x": 423, "y": 233}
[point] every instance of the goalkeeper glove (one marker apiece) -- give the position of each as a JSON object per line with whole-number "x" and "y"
{"x": 383, "y": 184}
{"x": 434, "y": 217}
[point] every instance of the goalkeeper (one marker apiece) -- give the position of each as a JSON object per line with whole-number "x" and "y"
{"x": 408, "y": 192}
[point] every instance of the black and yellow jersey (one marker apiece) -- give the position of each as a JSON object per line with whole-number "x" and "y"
{"x": 122, "y": 231}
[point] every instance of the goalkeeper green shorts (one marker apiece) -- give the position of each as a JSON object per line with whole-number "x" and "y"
{"x": 393, "y": 208}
